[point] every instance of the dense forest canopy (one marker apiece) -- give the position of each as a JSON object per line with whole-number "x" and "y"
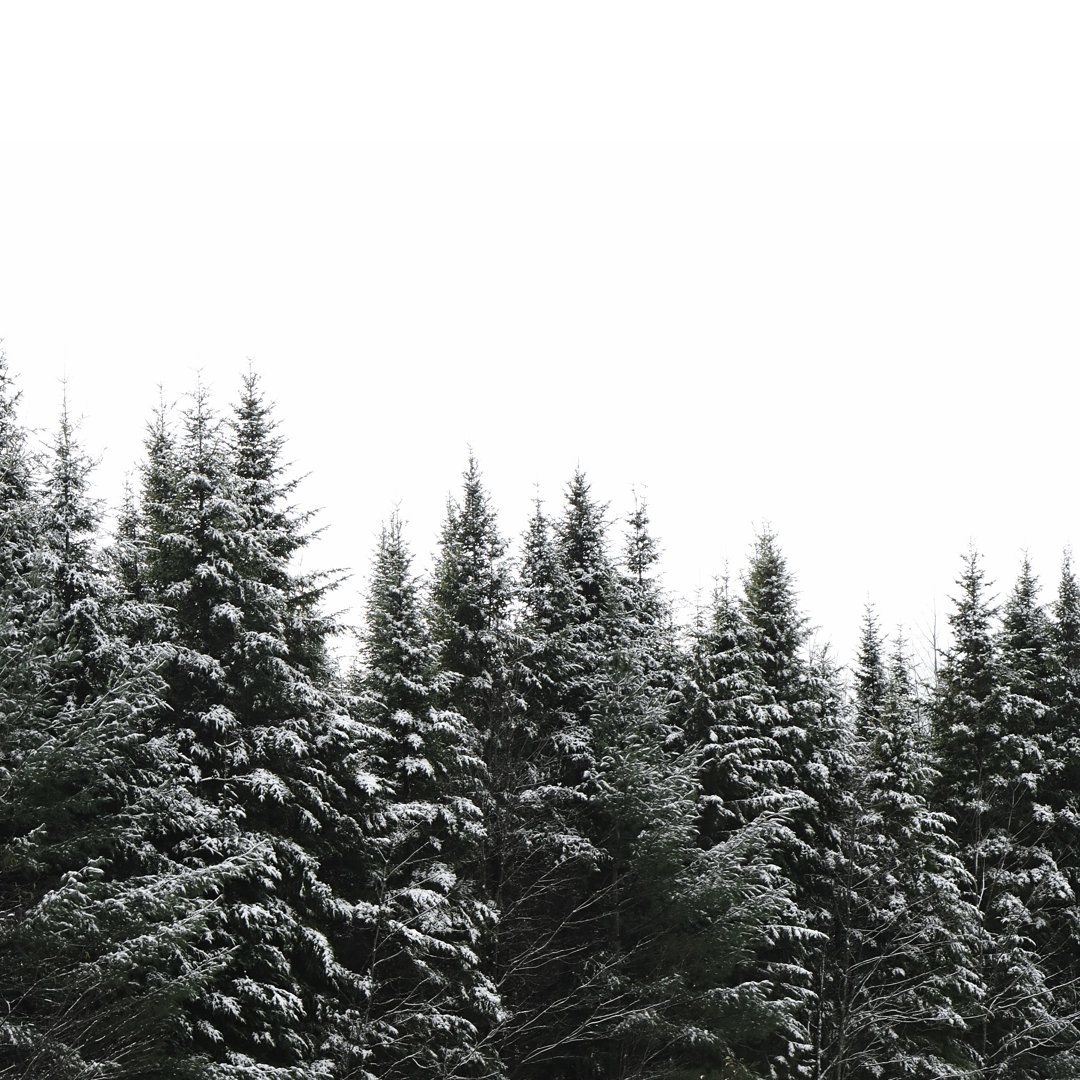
{"x": 534, "y": 827}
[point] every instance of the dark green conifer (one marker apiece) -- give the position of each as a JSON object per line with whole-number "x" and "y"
{"x": 905, "y": 983}
{"x": 989, "y": 755}
{"x": 429, "y": 1006}
{"x": 103, "y": 931}
{"x": 249, "y": 694}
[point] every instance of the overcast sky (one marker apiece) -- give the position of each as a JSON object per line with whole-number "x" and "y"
{"x": 813, "y": 265}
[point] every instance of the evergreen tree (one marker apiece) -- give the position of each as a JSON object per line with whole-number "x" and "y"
{"x": 428, "y": 1002}
{"x": 905, "y": 980}
{"x": 613, "y": 980}
{"x": 547, "y": 916}
{"x": 829, "y": 887}
{"x": 1026, "y": 646}
{"x": 1060, "y": 788}
{"x": 1035, "y": 665}
{"x": 989, "y": 758}
{"x": 720, "y": 709}
{"x": 685, "y": 920}
{"x": 249, "y": 695}
{"x": 102, "y": 933}
{"x": 871, "y": 682}
{"x": 785, "y": 772}
{"x": 471, "y": 605}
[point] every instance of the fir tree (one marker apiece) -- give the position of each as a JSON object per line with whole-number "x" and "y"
{"x": 809, "y": 769}
{"x": 103, "y": 934}
{"x": 905, "y": 983}
{"x": 989, "y": 757}
{"x": 1060, "y": 790}
{"x": 871, "y": 683}
{"x": 720, "y": 714}
{"x": 547, "y": 921}
{"x": 470, "y": 615}
{"x": 249, "y": 696}
{"x": 470, "y": 606}
{"x": 428, "y": 1002}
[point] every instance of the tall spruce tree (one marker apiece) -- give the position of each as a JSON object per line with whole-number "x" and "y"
{"x": 905, "y": 983}
{"x": 788, "y": 772}
{"x": 616, "y": 981}
{"x": 720, "y": 700}
{"x": 686, "y": 920}
{"x": 1060, "y": 789}
{"x": 429, "y": 1005}
{"x": 470, "y": 605}
{"x": 470, "y": 602}
{"x": 275, "y": 751}
{"x": 871, "y": 680}
{"x": 548, "y": 918}
{"x": 989, "y": 758}
{"x": 103, "y": 935}
{"x": 1028, "y": 642}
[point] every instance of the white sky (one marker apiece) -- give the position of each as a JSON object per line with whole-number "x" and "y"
{"x": 809, "y": 264}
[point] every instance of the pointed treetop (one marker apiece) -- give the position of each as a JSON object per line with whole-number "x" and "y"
{"x": 642, "y": 551}
{"x": 583, "y": 527}
{"x": 1023, "y": 610}
{"x": 973, "y": 614}
{"x": 871, "y": 681}
{"x": 253, "y": 425}
{"x": 15, "y": 471}
{"x": 1027, "y": 634}
{"x": 73, "y": 511}
{"x": 900, "y": 665}
{"x": 771, "y": 608}
{"x": 1067, "y": 614}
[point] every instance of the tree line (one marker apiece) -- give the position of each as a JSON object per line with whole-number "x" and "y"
{"x": 536, "y": 829}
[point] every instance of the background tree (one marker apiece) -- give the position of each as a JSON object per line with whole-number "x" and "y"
{"x": 906, "y": 980}
{"x": 989, "y": 759}
{"x": 428, "y": 1001}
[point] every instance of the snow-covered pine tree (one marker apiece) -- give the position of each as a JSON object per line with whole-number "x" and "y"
{"x": 277, "y": 533}
{"x": 470, "y": 607}
{"x": 1059, "y": 790}
{"x": 1029, "y": 656}
{"x": 626, "y": 942}
{"x": 790, "y": 719}
{"x": 102, "y": 934}
{"x": 78, "y": 574}
{"x": 718, "y": 699}
{"x": 905, "y": 982}
{"x": 684, "y": 921}
{"x": 564, "y": 984}
{"x": 546, "y": 892}
{"x": 649, "y": 610}
{"x": 249, "y": 696}
{"x": 429, "y": 1005}
{"x": 1026, "y": 644}
{"x": 871, "y": 679}
{"x": 647, "y": 627}
{"x": 989, "y": 757}
{"x": 542, "y": 662}
{"x": 469, "y": 603}
{"x": 829, "y": 891}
